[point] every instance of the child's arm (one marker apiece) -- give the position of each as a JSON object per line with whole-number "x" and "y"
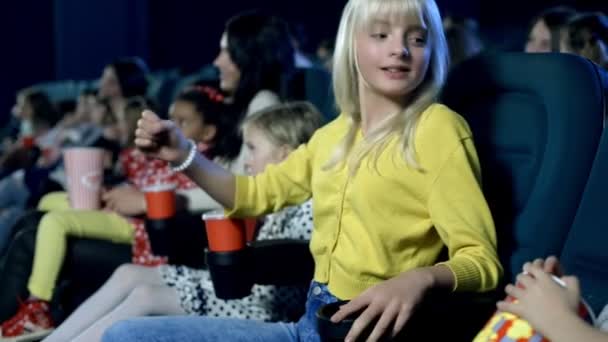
{"x": 284, "y": 184}
{"x": 196, "y": 200}
{"x": 571, "y": 328}
{"x": 163, "y": 140}
{"x": 125, "y": 200}
{"x": 549, "y": 307}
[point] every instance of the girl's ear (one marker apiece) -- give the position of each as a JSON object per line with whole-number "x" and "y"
{"x": 284, "y": 150}
{"x": 208, "y": 133}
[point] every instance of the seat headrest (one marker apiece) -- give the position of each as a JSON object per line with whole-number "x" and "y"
{"x": 536, "y": 121}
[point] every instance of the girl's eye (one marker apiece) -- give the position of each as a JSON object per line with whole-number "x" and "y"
{"x": 417, "y": 40}
{"x": 379, "y": 35}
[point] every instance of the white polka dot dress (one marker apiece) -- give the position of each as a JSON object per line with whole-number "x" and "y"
{"x": 266, "y": 302}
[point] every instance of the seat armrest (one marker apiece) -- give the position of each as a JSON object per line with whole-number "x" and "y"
{"x": 456, "y": 316}
{"x": 281, "y": 262}
{"x": 93, "y": 261}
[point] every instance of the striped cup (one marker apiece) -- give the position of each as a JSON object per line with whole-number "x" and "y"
{"x": 84, "y": 170}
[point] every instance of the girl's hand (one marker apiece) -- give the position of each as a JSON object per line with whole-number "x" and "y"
{"x": 550, "y": 265}
{"x": 160, "y": 138}
{"x": 125, "y": 200}
{"x": 540, "y": 300}
{"x": 391, "y": 303}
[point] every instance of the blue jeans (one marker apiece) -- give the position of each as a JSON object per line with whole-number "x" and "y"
{"x": 191, "y": 328}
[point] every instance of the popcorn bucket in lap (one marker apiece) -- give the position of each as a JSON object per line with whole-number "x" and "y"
{"x": 84, "y": 170}
{"x": 507, "y": 327}
{"x": 504, "y": 326}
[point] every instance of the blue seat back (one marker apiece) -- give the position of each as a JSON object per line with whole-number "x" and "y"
{"x": 314, "y": 85}
{"x": 536, "y": 121}
{"x": 585, "y": 253}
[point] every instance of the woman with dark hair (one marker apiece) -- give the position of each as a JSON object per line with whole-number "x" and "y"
{"x": 37, "y": 115}
{"x": 255, "y": 57}
{"x": 122, "y": 79}
{"x": 544, "y": 32}
{"x": 462, "y": 35}
{"x": 587, "y": 35}
{"x": 35, "y": 111}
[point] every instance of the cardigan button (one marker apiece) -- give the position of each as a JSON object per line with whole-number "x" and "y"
{"x": 316, "y": 290}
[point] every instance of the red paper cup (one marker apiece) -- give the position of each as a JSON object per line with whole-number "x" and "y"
{"x": 84, "y": 170}
{"x": 160, "y": 201}
{"x": 251, "y": 224}
{"x": 224, "y": 234}
{"x": 28, "y": 141}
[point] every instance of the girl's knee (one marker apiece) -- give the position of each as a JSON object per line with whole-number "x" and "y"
{"x": 54, "y": 201}
{"x": 52, "y": 221}
{"x": 125, "y": 277}
{"x": 124, "y": 271}
{"x": 144, "y": 296}
{"x": 151, "y": 300}
{"x": 129, "y": 274}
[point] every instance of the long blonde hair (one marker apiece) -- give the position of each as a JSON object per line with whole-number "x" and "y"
{"x": 356, "y": 15}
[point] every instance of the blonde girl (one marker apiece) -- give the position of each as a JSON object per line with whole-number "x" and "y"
{"x": 394, "y": 180}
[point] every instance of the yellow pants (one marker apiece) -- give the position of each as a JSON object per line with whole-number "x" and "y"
{"x": 54, "y": 201}
{"x": 51, "y": 241}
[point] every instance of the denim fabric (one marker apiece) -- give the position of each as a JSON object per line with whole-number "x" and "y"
{"x": 199, "y": 329}
{"x": 190, "y": 328}
{"x": 318, "y": 295}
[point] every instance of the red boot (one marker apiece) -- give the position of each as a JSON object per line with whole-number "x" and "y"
{"x": 31, "y": 322}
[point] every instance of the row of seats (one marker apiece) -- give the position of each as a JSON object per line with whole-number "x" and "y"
{"x": 538, "y": 124}
{"x": 311, "y": 84}
{"x": 163, "y": 85}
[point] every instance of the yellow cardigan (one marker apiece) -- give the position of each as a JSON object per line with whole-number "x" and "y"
{"x": 384, "y": 220}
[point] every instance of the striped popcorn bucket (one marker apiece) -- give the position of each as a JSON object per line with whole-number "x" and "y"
{"x": 84, "y": 170}
{"x": 507, "y": 327}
